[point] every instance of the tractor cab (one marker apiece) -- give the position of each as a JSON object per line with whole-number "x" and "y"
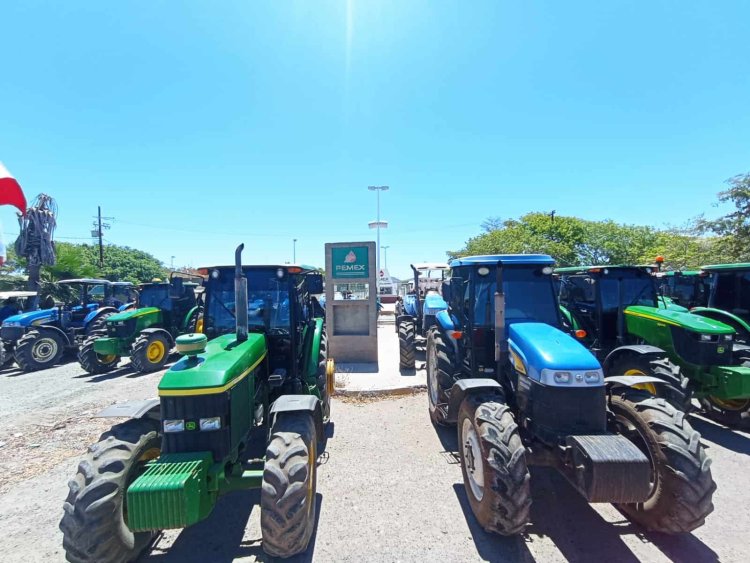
{"x": 176, "y": 299}
{"x": 729, "y": 297}
{"x": 280, "y": 306}
{"x": 84, "y": 297}
{"x": 687, "y": 288}
{"x": 15, "y": 302}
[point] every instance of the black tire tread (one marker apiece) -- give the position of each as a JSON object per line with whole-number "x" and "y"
{"x": 509, "y": 496}
{"x": 444, "y": 371}
{"x": 24, "y": 346}
{"x": 677, "y": 389}
{"x": 89, "y": 359}
{"x": 321, "y": 376}
{"x": 284, "y": 518}
{"x": 92, "y": 527}
{"x": 138, "y": 357}
{"x": 407, "y": 345}
{"x": 685, "y": 490}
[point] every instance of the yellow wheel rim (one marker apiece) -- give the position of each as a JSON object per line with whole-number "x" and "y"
{"x": 109, "y": 358}
{"x": 148, "y": 455}
{"x": 311, "y": 460}
{"x": 155, "y": 351}
{"x": 650, "y": 387}
{"x": 330, "y": 376}
{"x": 199, "y": 326}
{"x": 730, "y": 404}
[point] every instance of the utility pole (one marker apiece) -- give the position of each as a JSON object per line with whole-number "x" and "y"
{"x": 385, "y": 256}
{"x": 97, "y": 232}
{"x": 378, "y": 224}
{"x": 294, "y": 251}
{"x": 171, "y": 267}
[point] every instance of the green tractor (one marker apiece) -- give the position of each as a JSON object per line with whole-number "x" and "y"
{"x": 146, "y": 334}
{"x": 614, "y": 311}
{"x": 259, "y": 376}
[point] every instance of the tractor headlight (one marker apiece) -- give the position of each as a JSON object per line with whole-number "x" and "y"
{"x": 209, "y": 424}
{"x": 728, "y": 338}
{"x": 593, "y": 377}
{"x": 562, "y": 377}
{"x": 175, "y": 425}
{"x": 706, "y": 338}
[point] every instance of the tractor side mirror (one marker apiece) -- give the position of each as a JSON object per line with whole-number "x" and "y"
{"x": 176, "y": 288}
{"x": 315, "y": 283}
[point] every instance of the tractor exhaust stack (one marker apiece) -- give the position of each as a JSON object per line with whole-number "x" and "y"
{"x": 240, "y": 295}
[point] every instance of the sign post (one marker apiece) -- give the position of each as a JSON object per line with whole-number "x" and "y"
{"x": 351, "y": 302}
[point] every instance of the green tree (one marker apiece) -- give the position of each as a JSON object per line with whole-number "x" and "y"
{"x": 734, "y": 227}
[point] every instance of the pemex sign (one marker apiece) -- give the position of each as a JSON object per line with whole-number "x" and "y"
{"x": 350, "y": 262}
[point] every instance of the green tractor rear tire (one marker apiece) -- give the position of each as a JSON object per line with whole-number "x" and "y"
{"x": 407, "y": 345}
{"x": 92, "y": 362}
{"x": 729, "y": 412}
{"x": 93, "y": 523}
{"x": 288, "y": 496}
{"x": 440, "y": 368}
{"x": 682, "y": 485}
{"x": 675, "y": 388}
{"x": 150, "y": 352}
{"x": 493, "y": 462}
{"x": 39, "y": 349}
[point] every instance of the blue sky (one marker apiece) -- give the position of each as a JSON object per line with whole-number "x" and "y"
{"x": 201, "y": 125}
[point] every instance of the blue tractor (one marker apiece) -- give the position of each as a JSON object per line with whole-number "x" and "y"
{"x": 39, "y": 339}
{"x": 522, "y": 391}
{"x": 415, "y": 312}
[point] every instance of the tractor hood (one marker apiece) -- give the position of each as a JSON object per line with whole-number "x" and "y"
{"x": 224, "y": 363}
{"x": 132, "y": 314}
{"x": 688, "y": 321}
{"x": 28, "y": 319}
{"x": 540, "y": 346}
{"x": 433, "y": 304}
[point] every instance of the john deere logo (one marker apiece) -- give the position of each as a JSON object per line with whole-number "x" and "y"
{"x": 350, "y": 262}
{"x": 190, "y": 426}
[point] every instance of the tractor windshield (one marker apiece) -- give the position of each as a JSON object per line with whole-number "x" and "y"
{"x": 268, "y": 302}
{"x": 529, "y": 296}
{"x": 154, "y": 296}
{"x": 626, "y": 288}
{"x": 687, "y": 291}
{"x": 732, "y": 292}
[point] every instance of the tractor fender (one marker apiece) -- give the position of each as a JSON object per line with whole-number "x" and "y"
{"x": 312, "y": 361}
{"x": 445, "y": 320}
{"x": 631, "y": 380}
{"x": 186, "y": 320}
{"x": 722, "y": 316}
{"x": 49, "y": 328}
{"x": 98, "y": 313}
{"x": 637, "y": 349}
{"x": 471, "y": 386}
{"x": 126, "y": 307}
{"x": 150, "y": 408}
{"x": 300, "y": 403}
{"x": 161, "y": 331}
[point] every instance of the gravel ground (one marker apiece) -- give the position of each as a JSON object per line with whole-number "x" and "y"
{"x": 389, "y": 489}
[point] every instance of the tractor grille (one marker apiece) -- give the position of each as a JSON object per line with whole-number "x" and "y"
{"x": 191, "y": 410}
{"x": 690, "y": 347}
{"x": 558, "y": 411}
{"x": 12, "y": 333}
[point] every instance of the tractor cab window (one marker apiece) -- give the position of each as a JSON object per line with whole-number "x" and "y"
{"x": 686, "y": 290}
{"x": 269, "y": 308}
{"x": 92, "y": 294}
{"x": 732, "y": 293}
{"x": 578, "y": 290}
{"x": 624, "y": 289}
{"x": 155, "y": 296}
{"x": 529, "y": 297}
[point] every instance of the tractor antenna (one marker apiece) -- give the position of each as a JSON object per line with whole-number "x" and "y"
{"x": 240, "y": 295}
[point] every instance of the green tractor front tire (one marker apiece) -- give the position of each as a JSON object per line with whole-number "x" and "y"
{"x": 682, "y": 487}
{"x": 93, "y": 523}
{"x": 729, "y": 412}
{"x": 325, "y": 386}
{"x": 493, "y": 463}
{"x": 150, "y": 352}
{"x": 39, "y": 349}
{"x": 288, "y": 495}
{"x": 92, "y": 362}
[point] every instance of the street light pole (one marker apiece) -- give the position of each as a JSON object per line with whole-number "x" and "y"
{"x": 385, "y": 256}
{"x": 378, "y": 224}
{"x": 294, "y": 251}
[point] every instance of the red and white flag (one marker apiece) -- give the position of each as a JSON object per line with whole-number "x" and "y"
{"x": 10, "y": 191}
